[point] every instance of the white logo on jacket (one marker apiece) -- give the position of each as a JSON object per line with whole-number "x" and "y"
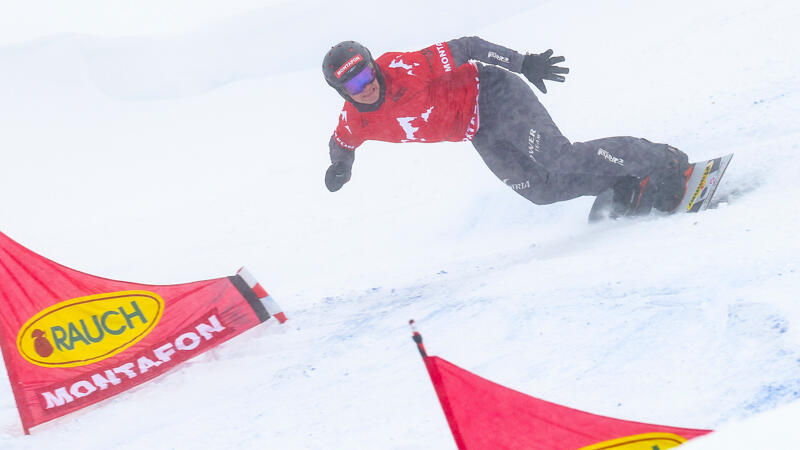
{"x": 501, "y": 58}
{"x": 517, "y": 186}
{"x": 443, "y": 57}
{"x": 398, "y": 63}
{"x": 343, "y": 116}
{"x": 534, "y": 142}
{"x": 405, "y": 124}
{"x": 611, "y": 158}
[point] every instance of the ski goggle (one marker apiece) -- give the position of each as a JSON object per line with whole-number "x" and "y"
{"x": 357, "y": 84}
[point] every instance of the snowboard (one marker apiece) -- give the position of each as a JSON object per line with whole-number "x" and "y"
{"x": 702, "y": 180}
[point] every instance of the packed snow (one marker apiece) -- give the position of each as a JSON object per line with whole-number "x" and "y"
{"x": 184, "y": 146}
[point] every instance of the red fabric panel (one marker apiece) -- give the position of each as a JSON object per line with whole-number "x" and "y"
{"x": 194, "y": 317}
{"x": 486, "y": 415}
{"x": 427, "y": 99}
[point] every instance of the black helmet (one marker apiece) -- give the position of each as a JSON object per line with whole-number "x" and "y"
{"x": 344, "y": 61}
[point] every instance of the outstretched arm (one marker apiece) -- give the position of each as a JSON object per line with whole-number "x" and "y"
{"x": 535, "y": 67}
{"x": 474, "y": 48}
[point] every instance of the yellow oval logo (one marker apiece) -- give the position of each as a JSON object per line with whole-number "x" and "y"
{"x": 89, "y": 329}
{"x": 646, "y": 441}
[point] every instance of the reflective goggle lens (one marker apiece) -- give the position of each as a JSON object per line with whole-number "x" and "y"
{"x": 360, "y": 81}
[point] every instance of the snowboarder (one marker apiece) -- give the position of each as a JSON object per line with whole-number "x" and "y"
{"x": 441, "y": 94}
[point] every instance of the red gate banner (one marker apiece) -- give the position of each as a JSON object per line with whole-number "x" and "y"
{"x": 70, "y": 339}
{"x": 485, "y": 415}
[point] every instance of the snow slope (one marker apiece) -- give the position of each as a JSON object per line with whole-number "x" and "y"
{"x": 171, "y": 157}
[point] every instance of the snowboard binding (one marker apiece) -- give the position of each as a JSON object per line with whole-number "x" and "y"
{"x": 680, "y": 186}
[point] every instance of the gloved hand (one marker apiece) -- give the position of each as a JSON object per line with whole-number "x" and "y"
{"x": 336, "y": 176}
{"x": 540, "y": 67}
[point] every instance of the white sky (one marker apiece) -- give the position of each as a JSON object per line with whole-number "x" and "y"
{"x": 24, "y": 20}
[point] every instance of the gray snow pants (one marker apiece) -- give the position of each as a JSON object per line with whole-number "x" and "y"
{"x": 519, "y": 142}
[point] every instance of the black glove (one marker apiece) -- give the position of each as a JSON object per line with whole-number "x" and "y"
{"x": 337, "y": 175}
{"x": 538, "y": 68}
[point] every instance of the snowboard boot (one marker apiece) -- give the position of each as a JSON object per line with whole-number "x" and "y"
{"x": 669, "y": 182}
{"x": 663, "y": 189}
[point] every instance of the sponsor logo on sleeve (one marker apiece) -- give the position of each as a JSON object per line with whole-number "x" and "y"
{"x": 89, "y": 329}
{"x": 611, "y": 158}
{"x": 498, "y": 57}
{"x": 342, "y": 143}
